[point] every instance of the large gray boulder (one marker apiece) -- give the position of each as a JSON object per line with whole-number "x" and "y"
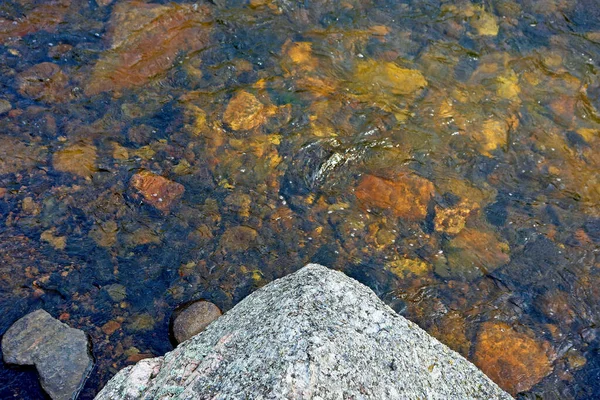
{"x": 315, "y": 334}
{"x": 61, "y": 354}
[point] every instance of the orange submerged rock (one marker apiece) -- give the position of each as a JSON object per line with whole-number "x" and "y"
{"x": 146, "y": 39}
{"x": 158, "y": 191}
{"x": 407, "y": 195}
{"x": 513, "y": 360}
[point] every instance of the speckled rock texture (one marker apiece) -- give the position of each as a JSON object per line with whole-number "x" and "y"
{"x": 61, "y": 354}
{"x": 315, "y": 334}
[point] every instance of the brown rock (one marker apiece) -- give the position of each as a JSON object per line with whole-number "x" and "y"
{"x": 512, "y": 359}
{"x": 59, "y": 50}
{"x": 555, "y": 305}
{"x": 238, "y": 238}
{"x": 16, "y": 155}
{"x": 473, "y": 253}
{"x": 450, "y": 330}
{"x": 45, "y": 17}
{"x": 58, "y": 242}
{"x": 44, "y": 82}
{"x": 158, "y": 191}
{"x": 105, "y": 233}
{"x": 404, "y": 266}
{"x": 406, "y": 196}
{"x": 78, "y": 159}
{"x": 30, "y": 206}
{"x": 60, "y": 353}
{"x": 194, "y": 319}
{"x": 134, "y": 358}
{"x": 5, "y": 106}
{"x": 146, "y": 39}
{"x": 140, "y": 322}
{"x": 110, "y": 327}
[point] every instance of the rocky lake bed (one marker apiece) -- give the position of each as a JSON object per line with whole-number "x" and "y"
{"x": 159, "y": 156}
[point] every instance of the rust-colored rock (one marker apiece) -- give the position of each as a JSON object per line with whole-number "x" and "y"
{"x": 110, "y": 327}
{"x": 45, "y": 17}
{"x": 514, "y": 360}
{"x": 156, "y": 190}
{"x": 406, "y": 196}
{"x": 44, "y": 82}
{"x": 146, "y": 39}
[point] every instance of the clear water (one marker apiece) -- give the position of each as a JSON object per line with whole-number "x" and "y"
{"x": 443, "y": 153}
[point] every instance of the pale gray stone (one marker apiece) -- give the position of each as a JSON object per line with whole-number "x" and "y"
{"x": 315, "y": 334}
{"x": 60, "y": 353}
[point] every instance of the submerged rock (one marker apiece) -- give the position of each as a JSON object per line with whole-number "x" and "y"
{"x": 406, "y": 196}
{"x": 60, "y": 353}
{"x": 387, "y": 77}
{"x": 44, "y": 82}
{"x": 158, "y": 191}
{"x": 245, "y": 112}
{"x": 146, "y": 40}
{"x": 474, "y": 253}
{"x": 78, "y": 159}
{"x": 193, "y": 319}
{"x": 5, "y": 106}
{"x": 316, "y": 334}
{"x": 47, "y": 16}
{"x": 513, "y": 359}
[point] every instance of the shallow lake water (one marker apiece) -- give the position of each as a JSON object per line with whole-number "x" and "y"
{"x": 444, "y": 153}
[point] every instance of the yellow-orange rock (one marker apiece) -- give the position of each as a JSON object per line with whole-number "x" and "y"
{"x": 146, "y": 39}
{"x": 78, "y": 159}
{"x": 406, "y": 196}
{"x": 387, "y": 77}
{"x": 405, "y": 266}
{"x": 514, "y": 360}
{"x": 300, "y": 54}
{"x": 484, "y": 22}
{"x": 453, "y": 220}
{"x": 245, "y": 112}
{"x": 45, "y": 17}
{"x": 157, "y": 190}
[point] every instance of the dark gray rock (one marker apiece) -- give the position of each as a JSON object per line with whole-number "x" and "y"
{"x": 60, "y": 353}
{"x": 194, "y": 319}
{"x": 315, "y": 334}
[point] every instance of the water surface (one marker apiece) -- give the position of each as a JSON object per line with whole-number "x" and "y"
{"x": 443, "y": 153}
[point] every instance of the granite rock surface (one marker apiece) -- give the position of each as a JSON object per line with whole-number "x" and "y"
{"x": 315, "y": 334}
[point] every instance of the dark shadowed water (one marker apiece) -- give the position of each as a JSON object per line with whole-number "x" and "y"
{"x": 444, "y": 153}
